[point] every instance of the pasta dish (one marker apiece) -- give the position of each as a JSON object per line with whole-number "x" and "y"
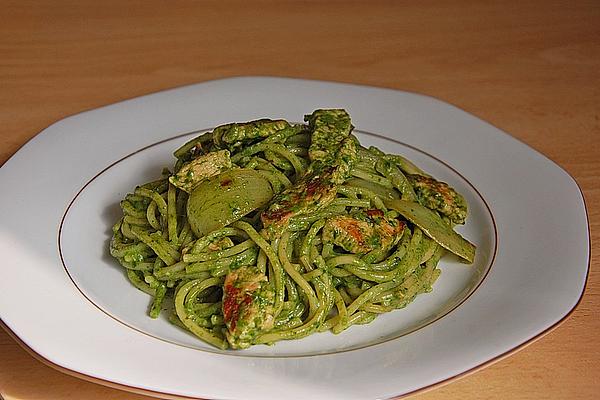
{"x": 269, "y": 230}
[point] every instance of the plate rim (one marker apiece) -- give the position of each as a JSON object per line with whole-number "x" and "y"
{"x": 516, "y": 348}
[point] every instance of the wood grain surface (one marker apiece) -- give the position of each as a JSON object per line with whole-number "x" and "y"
{"x": 531, "y": 68}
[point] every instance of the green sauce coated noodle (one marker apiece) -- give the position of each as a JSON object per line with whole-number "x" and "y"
{"x": 268, "y": 231}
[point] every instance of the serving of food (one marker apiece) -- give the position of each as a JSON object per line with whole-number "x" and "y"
{"x": 269, "y": 230}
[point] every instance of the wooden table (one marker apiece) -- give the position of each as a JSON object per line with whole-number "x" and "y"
{"x": 532, "y": 68}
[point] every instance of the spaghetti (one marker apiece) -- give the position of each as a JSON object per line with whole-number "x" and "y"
{"x": 268, "y": 231}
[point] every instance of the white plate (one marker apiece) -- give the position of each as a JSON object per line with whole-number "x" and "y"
{"x": 64, "y": 297}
